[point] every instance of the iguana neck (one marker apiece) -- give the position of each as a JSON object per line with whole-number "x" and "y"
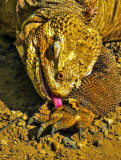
{"x": 108, "y": 19}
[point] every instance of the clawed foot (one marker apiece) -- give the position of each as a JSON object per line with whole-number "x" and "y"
{"x": 68, "y": 116}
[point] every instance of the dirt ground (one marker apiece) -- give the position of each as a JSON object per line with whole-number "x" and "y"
{"x": 102, "y": 140}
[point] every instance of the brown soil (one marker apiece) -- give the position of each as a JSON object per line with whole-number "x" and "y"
{"x": 102, "y": 140}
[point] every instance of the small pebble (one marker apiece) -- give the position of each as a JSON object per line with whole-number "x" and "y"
{"x": 69, "y": 143}
{"x": 107, "y": 44}
{"x": 119, "y": 59}
{"x": 93, "y": 129}
{"x": 118, "y": 117}
{"x": 105, "y": 131}
{"x": 108, "y": 120}
{"x": 56, "y": 145}
{"x": 39, "y": 146}
{"x": 118, "y": 130}
{"x": 119, "y": 138}
{"x": 119, "y": 65}
{"x": 100, "y": 142}
{"x": 16, "y": 113}
{"x": 24, "y": 117}
{"x": 99, "y": 124}
{"x": 42, "y": 151}
{"x": 81, "y": 143}
{"x": 21, "y": 124}
{"x": 109, "y": 136}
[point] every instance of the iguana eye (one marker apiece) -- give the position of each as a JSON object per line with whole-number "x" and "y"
{"x": 55, "y": 49}
{"x": 60, "y": 75}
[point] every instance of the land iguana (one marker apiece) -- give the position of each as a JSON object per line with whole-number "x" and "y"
{"x": 61, "y": 44}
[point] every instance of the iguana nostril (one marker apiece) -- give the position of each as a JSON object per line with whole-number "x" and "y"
{"x": 60, "y": 75}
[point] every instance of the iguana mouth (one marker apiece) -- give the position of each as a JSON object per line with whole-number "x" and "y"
{"x": 56, "y": 100}
{"x": 45, "y": 85}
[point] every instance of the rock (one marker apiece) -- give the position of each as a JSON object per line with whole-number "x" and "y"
{"x": 119, "y": 138}
{"x": 104, "y": 130}
{"x": 21, "y": 124}
{"x": 118, "y": 118}
{"x": 80, "y": 144}
{"x": 93, "y": 129}
{"x": 24, "y": 117}
{"x": 100, "y": 142}
{"x": 107, "y": 44}
{"x": 56, "y": 145}
{"x": 118, "y": 130}
{"x": 30, "y": 127}
{"x": 69, "y": 143}
{"x": 39, "y": 146}
{"x": 99, "y": 124}
{"x": 4, "y": 110}
{"x": 15, "y": 114}
{"x": 109, "y": 121}
{"x": 109, "y": 136}
{"x": 106, "y": 133}
{"x": 42, "y": 151}
{"x": 119, "y": 59}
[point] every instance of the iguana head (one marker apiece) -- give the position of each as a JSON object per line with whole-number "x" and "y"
{"x": 58, "y": 54}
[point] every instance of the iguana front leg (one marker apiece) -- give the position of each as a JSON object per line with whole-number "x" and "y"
{"x": 72, "y": 116}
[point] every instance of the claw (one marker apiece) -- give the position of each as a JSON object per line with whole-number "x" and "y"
{"x": 31, "y": 120}
{"x": 53, "y": 130}
{"x": 80, "y": 132}
{"x": 40, "y": 131}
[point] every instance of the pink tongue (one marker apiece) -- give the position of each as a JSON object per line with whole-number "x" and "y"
{"x": 57, "y": 101}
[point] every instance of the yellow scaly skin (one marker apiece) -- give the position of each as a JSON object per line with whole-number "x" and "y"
{"x": 64, "y": 44}
{"x": 66, "y": 47}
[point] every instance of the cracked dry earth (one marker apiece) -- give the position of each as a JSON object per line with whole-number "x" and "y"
{"x": 102, "y": 140}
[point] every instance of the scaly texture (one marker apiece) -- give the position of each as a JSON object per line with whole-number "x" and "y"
{"x": 99, "y": 93}
{"x": 101, "y": 90}
{"x": 59, "y": 49}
